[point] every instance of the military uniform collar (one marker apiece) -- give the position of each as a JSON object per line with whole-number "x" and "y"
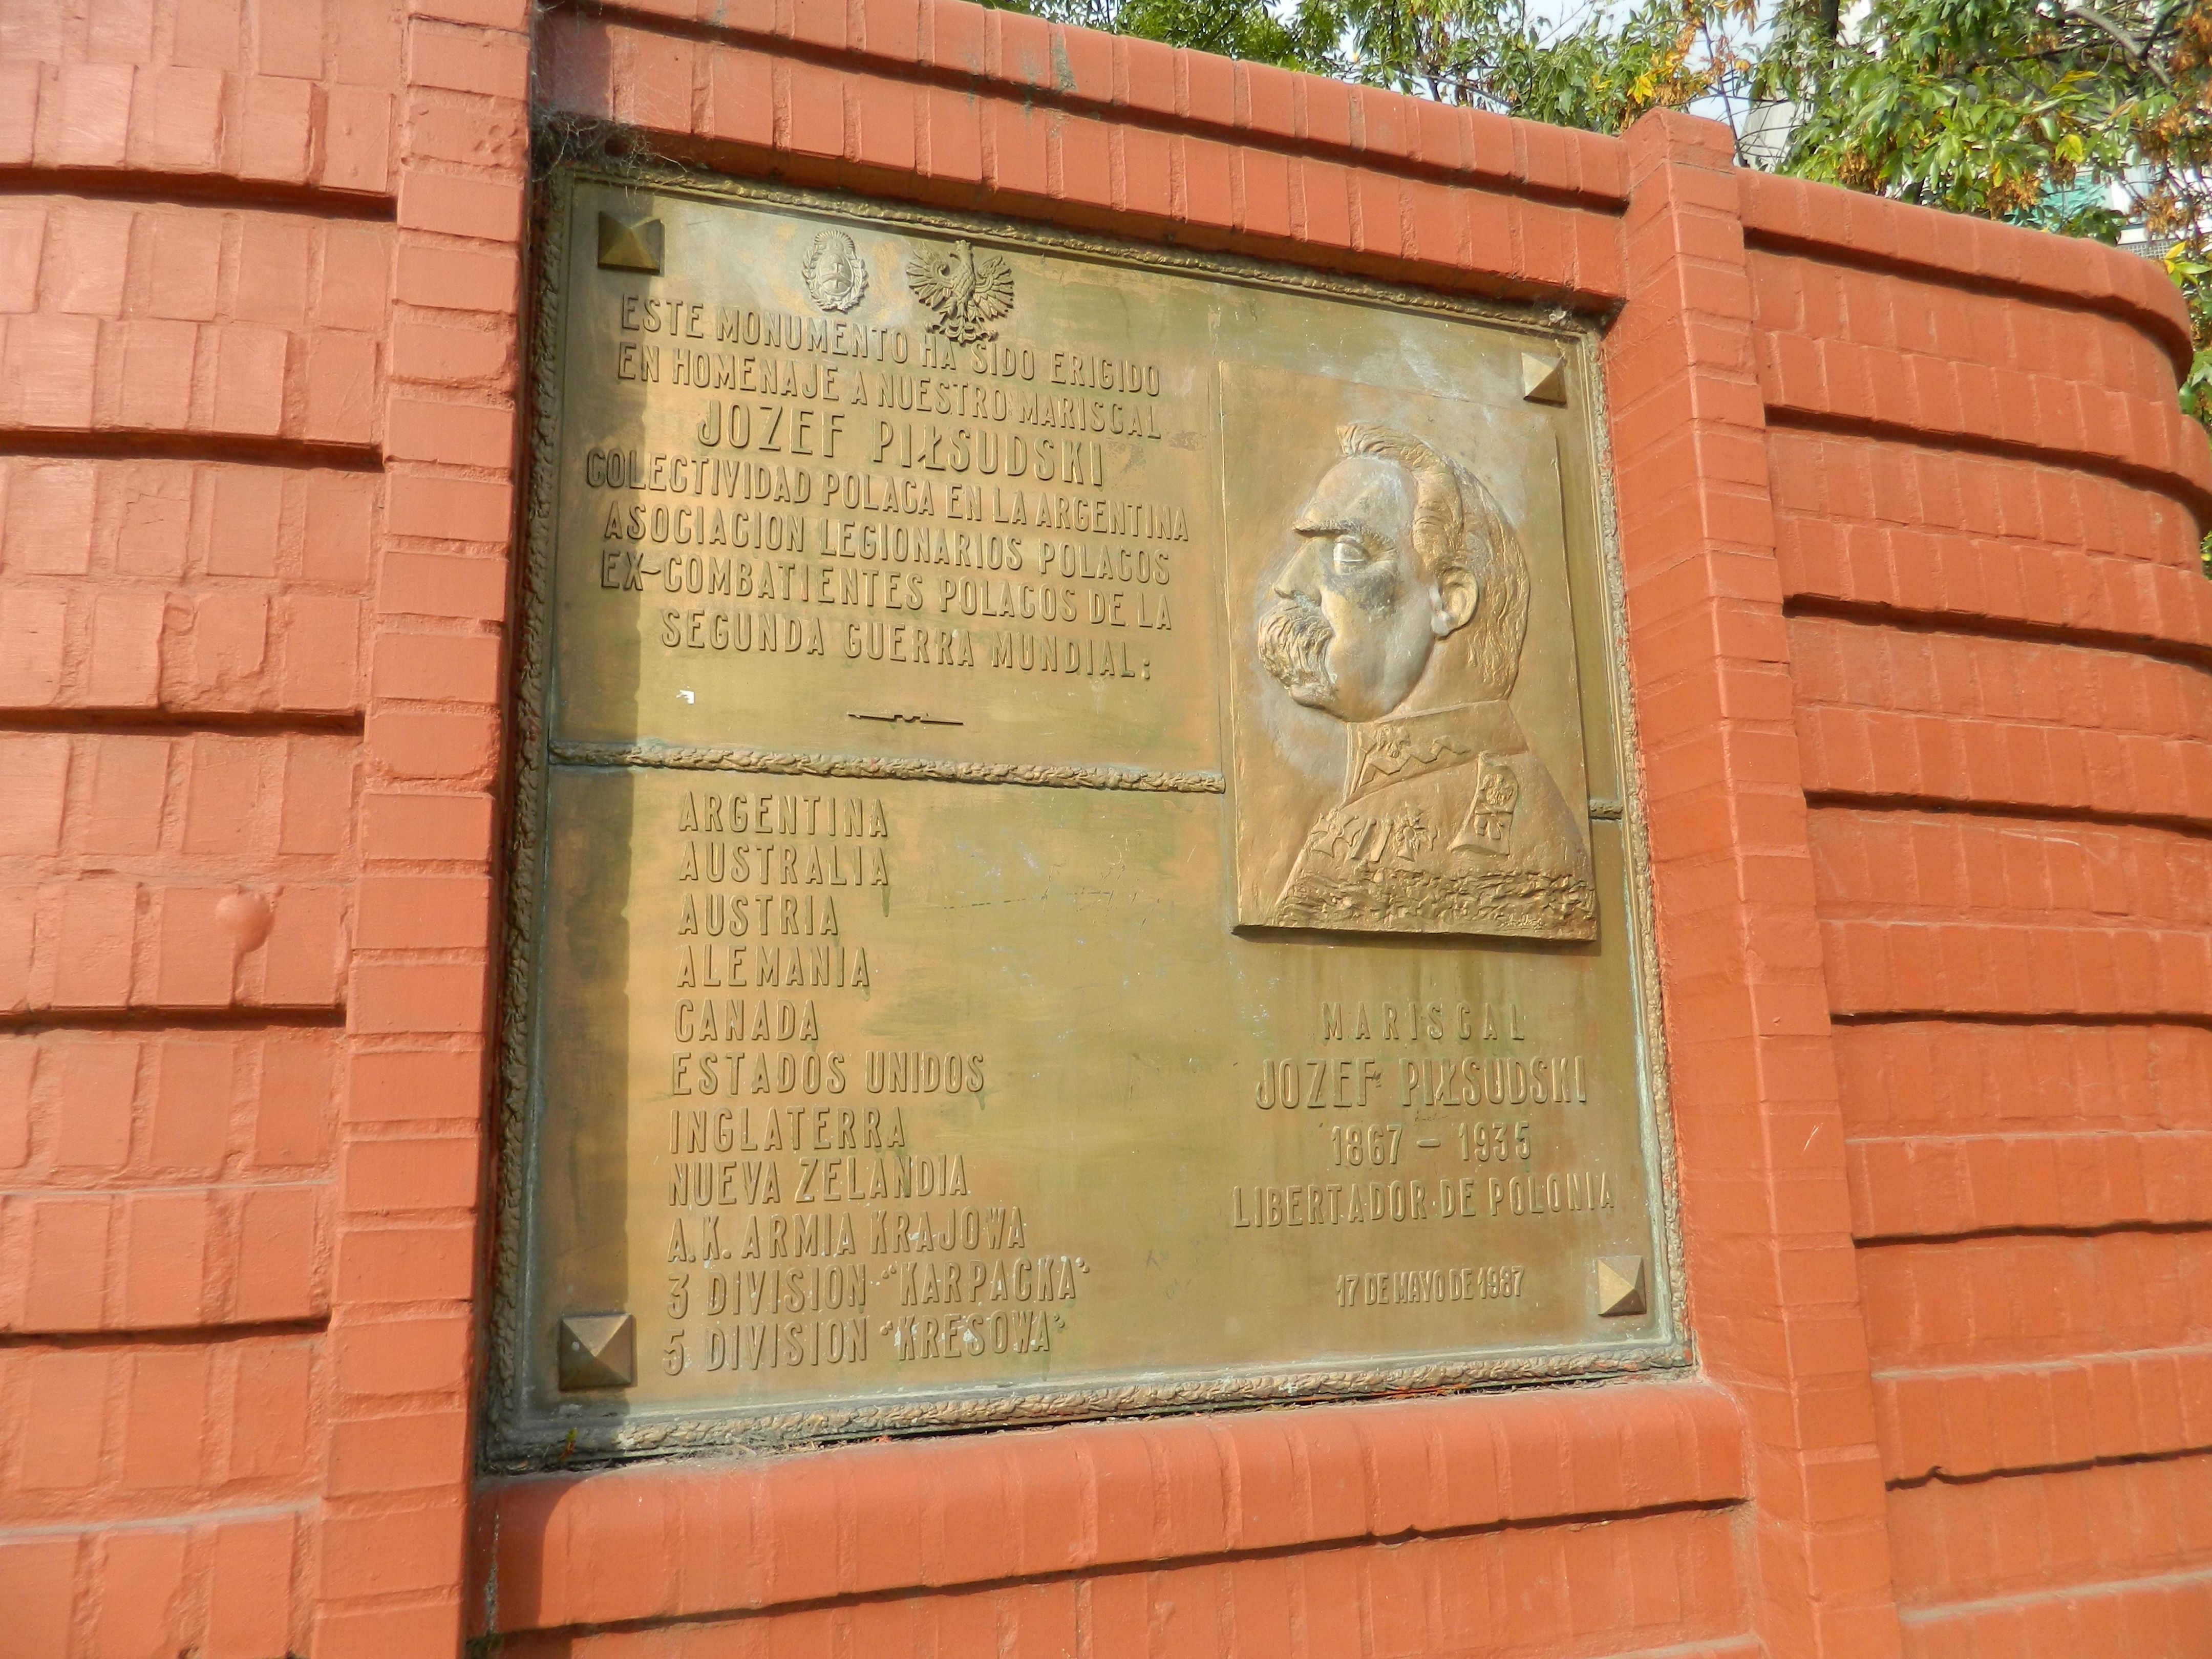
{"x": 1398, "y": 750}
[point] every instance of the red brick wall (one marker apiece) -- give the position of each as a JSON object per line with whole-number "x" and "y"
{"x": 1988, "y": 513}
{"x": 257, "y": 286}
{"x": 1909, "y": 525}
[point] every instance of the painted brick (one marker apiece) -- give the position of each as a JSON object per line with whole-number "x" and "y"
{"x": 2033, "y": 1298}
{"x": 2022, "y": 642}
{"x": 160, "y": 1258}
{"x": 2073, "y": 1528}
{"x": 574, "y": 1551}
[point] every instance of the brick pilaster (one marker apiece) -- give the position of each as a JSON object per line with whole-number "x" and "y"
{"x": 410, "y": 1164}
{"x": 1774, "y": 1301}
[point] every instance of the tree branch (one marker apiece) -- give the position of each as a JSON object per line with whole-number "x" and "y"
{"x": 2128, "y": 43}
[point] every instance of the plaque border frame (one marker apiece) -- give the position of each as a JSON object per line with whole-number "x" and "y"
{"x": 515, "y": 1436}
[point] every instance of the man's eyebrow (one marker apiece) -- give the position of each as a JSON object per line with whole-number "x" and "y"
{"x": 1358, "y": 527}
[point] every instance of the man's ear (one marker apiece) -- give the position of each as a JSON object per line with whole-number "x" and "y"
{"x": 1452, "y": 602}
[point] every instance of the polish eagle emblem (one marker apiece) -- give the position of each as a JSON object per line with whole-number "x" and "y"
{"x": 968, "y": 290}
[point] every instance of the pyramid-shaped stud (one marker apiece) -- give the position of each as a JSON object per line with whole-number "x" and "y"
{"x": 629, "y": 244}
{"x": 597, "y": 1351}
{"x": 1621, "y": 1290}
{"x": 1543, "y": 379}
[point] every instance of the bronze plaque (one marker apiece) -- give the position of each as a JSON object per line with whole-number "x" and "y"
{"x": 1073, "y": 852}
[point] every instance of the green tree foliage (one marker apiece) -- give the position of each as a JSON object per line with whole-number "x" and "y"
{"x": 1601, "y": 72}
{"x": 1301, "y": 38}
{"x": 2070, "y": 116}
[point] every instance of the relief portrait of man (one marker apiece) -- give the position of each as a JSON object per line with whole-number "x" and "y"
{"x": 1402, "y": 612}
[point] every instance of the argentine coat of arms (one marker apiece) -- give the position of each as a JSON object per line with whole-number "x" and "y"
{"x": 836, "y": 275}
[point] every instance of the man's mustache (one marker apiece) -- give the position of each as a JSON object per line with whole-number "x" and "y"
{"x": 1294, "y": 640}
